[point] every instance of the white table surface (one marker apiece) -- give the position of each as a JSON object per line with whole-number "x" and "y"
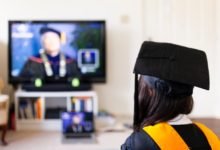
{"x": 50, "y": 140}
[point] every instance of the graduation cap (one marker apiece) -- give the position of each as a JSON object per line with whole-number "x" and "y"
{"x": 171, "y": 68}
{"x": 47, "y": 29}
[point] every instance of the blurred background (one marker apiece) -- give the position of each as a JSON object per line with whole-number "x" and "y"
{"x": 190, "y": 23}
{"x": 193, "y": 23}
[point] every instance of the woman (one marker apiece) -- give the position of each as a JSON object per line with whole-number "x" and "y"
{"x": 163, "y": 98}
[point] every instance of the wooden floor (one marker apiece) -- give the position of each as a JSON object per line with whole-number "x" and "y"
{"x": 212, "y": 123}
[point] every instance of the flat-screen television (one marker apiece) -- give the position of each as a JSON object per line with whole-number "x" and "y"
{"x": 57, "y": 50}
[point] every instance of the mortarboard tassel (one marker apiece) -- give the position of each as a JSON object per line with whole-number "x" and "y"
{"x": 136, "y": 103}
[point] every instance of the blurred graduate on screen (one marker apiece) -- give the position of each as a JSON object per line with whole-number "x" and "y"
{"x": 51, "y": 61}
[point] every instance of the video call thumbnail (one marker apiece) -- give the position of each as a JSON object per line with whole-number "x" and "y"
{"x": 77, "y": 122}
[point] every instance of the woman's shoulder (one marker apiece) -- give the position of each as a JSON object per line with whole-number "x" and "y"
{"x": 139, "y": 141}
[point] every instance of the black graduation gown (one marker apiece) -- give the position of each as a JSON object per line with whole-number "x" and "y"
{"x": 190, "y": 133}
{"x": 34, "y": 67}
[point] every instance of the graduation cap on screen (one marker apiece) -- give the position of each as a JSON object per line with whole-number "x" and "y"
{"x": 177, "y": 67}
{"x": 47, "y": 29}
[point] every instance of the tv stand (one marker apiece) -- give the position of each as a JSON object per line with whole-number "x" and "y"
{"x": 56, "y": 87}
{"x": 41, "y": 110}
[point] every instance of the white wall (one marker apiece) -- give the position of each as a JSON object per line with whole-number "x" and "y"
{"x": 123, "y": 37}
{"x": 192, "y": 23}
{"x": 217, "y": 62}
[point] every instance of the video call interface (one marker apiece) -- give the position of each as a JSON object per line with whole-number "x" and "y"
{"x": 77, "y": 122}
{"x": 80, "y": 42}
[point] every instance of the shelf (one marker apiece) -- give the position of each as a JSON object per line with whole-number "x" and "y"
{"x": 47, "y": 107}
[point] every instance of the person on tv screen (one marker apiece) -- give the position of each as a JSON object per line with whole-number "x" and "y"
{"x": 51, "y": 61}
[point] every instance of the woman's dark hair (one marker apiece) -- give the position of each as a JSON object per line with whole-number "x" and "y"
{"x": 155, "y": 107}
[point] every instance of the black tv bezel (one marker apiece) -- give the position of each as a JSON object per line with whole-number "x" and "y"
{"x": 91, "y": 79}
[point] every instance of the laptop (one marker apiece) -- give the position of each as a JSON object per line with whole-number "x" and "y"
{"x": 77, "y": 125}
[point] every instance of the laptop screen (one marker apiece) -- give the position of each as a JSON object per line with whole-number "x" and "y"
{"x": 77, "y": 122}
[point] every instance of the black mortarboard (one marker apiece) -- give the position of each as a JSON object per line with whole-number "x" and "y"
{"x": 47, "y": 29}
{"x": 179, "y": 66}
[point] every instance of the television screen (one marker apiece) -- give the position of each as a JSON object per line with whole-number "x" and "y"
{"x": 56, "y": 50}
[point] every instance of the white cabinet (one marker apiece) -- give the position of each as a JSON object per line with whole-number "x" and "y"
{"x": 41, "y": 110}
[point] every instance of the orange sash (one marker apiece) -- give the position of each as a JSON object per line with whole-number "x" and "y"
{"x": 211, "y": 137}
{"x": 167, "y": 138}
